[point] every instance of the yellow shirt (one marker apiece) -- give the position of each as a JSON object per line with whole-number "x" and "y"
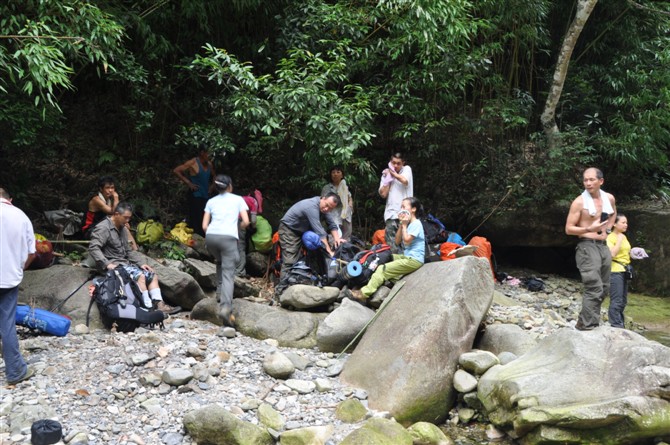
{"x": 623, "y": 256}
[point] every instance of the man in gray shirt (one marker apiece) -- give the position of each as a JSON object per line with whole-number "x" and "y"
{"x": 109, "y": 248}
{"x": 303, "y": 216}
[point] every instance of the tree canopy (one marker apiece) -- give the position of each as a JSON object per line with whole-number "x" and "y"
{"x": 280, "y": 91}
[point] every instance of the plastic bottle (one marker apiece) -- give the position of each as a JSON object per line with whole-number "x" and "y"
{"x": 373, "y": 265}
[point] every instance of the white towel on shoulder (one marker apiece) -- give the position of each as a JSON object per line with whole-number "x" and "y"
{"x": 590, "y": 206}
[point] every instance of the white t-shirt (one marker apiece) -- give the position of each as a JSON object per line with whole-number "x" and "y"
{"x": 17, "y": 241}
{"x": 225, "y": 212}
{"x": 398, "y": 192}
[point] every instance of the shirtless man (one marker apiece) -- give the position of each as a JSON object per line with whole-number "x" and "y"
{"x": 198, "y": 175}
{"x": 591, "y": 217}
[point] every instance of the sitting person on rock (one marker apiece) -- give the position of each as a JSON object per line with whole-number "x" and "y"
{"x": 109, "y": 248}
{"x": 410, "y": 235}
{"x": 101, "y": 206}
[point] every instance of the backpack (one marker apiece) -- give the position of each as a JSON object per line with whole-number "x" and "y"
{"x": 299, "y": 273}
{"x": 149, "y": 232}
{"x": 376, "y": 256}
{"x": 433, "y": 229}
{"x": 118, "y": 298}
{"x": 533, "y": 284}
{"x": 262, "y": 238}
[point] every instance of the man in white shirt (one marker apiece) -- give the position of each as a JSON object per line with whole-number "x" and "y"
{"x": 395, "y": 185}
{"x": 17, "y": 250}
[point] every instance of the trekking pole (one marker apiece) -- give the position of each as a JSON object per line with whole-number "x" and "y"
{"x": 386, "y": 302}
{"x": 60, "y": 305}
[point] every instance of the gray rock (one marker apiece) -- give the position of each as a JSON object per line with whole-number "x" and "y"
{"x": 177, "y": 376}
{"x": 279, "y": 366}
{"x": 289, "y": 328}
{"x": 505, "y": 357}
{"x": 48, "y": 287}
{"x": 477, "y": 361}
{"x": 257, "y": 264}
{"x": 506, "y": 337}
{"x": 411, "y": 375}
{"x": 245, "y": 288}
{"x": 302, "y": 296}
{"x": 378, "y": 431}
{"x": 214, "y": 425}
{"x": 204, "y": 272}
{"x": 301, "y": 386}
{"x": 177, "y": 287}
{"x": 620, "y": 395}
{"x": 464, "y": 381}
{"x": 342, "y": 325}
{"x": 269, "y": 417}
{"x": 299, "y": 361}
{"x": 313, "y": 435}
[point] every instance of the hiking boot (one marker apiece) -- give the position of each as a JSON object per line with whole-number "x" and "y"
{"x": 358, "y": 297}
{"x": 580, "y": 327}
{"x": 227, "y": 318}
{"x": 166, "y": 308}
{"x": 29, "y": 373}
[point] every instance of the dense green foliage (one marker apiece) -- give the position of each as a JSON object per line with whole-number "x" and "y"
{"x": 283, "y": 90}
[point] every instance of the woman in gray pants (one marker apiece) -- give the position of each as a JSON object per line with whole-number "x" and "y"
{"x": 223, "y": 213}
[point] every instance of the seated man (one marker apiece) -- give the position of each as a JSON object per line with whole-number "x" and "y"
{"x": 303, "y": 216}
{"x": 109, "y": 248}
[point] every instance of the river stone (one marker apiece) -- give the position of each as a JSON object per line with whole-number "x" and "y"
{"x": 177, "y": 287}
{"x": 506, "y": 337}
{"x": 313, "y": 435}
{"x": 609, "y": 386}
{"x": 426, "y": 433}
{"x": 214, "y": 425}
{"x": 350, "y": 411}
{"x": 378, "y": 431}
{"x": 177, "y": 376}
{"x": 478, "y": 362}
{"x": 464, "y": 381}
{"x": 303, "y": 296}
{"x": 342, "y": 325}
{"x": 301, "y": 386}
{"x": 269, "y": 417}
{"x": 407, "y": 358}
{"x": 279, "y": 366}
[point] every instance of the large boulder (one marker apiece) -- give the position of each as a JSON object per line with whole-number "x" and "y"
{"x": 342, "y": 325}
{"x": 48, "y": 288}
{"x": 604, "y": 386}
{"x": 407, "y": 358}
{"x": 177, "y": 287}
{"x": 291, "y": 329}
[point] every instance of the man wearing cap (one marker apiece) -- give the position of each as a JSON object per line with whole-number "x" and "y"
{"x": 590, "y": 218}
{"x": 303, "y": 216}
{"x": 17, "y": 250}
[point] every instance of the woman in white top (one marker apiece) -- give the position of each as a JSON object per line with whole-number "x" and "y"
{"x": 220, "y": 224}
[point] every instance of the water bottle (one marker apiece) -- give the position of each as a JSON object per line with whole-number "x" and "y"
{"x": 332, "y": 269}
{"x": 373, "y": 265}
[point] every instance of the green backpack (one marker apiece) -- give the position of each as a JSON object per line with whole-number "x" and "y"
{"x": 149, "y": 232}
{"x": 262, "y": 239}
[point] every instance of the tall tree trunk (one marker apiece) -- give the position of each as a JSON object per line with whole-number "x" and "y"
{"x": 548, "y": 118}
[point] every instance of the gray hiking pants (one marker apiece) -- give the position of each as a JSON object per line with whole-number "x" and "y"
{"x": 224, "y": 249}
{"x": 594, "y": 262}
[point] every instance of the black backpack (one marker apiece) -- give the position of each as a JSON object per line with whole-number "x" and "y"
{"x": 119, "y": 298}
{"x": 433, "y": 230}
{"x": 376, "y": 256}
